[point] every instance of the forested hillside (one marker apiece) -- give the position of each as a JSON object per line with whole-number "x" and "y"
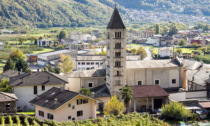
{"x": 195, "y": 7}
{"x": 57, "y": 13}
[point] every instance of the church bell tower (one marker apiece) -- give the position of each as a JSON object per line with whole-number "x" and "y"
{"x": 116, "y": 54}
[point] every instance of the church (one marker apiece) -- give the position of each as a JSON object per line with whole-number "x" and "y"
{"x": 149, "y": 80}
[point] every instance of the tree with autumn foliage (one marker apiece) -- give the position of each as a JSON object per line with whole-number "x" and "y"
{"x": 66, "y": 66}
{"x": 114, "y": 107}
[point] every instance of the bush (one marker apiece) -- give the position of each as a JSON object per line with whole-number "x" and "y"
{"x": 10, "y": 120}
{"x": 18, "y": 122}
{"x": 205, "y": 59}
{"x": 175, "y": 110}
{"x": 2, "y": 121}
{"x": 26, "y": 121}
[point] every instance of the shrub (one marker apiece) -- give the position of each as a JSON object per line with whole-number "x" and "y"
{"x": 10, "y": 120}
{"x": 175, "y": 110}
{"x": 18, "y": 122}
{"x": 26, "y": 121}
{"x": 2, "y": 121}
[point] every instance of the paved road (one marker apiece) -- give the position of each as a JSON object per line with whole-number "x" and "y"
{"x": 149, "y": 55}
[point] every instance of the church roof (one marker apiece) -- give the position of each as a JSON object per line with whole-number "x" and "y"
{"x": 116, "y": 21}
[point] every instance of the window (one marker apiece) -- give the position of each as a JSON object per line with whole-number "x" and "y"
{"x": 118, "y": 45}
{"x": 118, "y": 73}
{"x": 69, "y": 105}
{"x": 85, "y": 101}
{"x": 79, "y": 113}
{"x": 35, "y": 89}
{"x": 41, "y": 113}
{"x": 90, "y": 84}
{"x": 49, "y": 116}
{"x": 117, "y": 54}
{"x": 108, "y": 35}
{"x": 73, "y": 107}
{"x": 117, "y": 63}
{"x": 173, "y": 81}
{"x": 92, "y": 63}
{"x": 117, "y": 34}
{"x": 87, "y": 68}
{"x": 156, "y": 81}
{"x": 79, "y": 101}
{"x": 73, "y": 118}
{"x": 78, "y": 63}
{"x": 43, "y": 87}
{"x": 83, "y": 63}
{"x": 8, "y": 106}
{"x": 88, "y": 63}
{"x": 69, "y": 117}
{"x": 97, "y": 63}
{"x": 139, "y": 82}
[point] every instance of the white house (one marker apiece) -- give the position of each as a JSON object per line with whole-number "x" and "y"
{"x": 154, "y": 40}
{"x": 29, "y": 85}
{"x": 1, "y": 45}
{"x": 165, "y": 52}
{"x": 44, "y": 42}
{"x": 87, "y": 62}
{"x": 80, "y": 36}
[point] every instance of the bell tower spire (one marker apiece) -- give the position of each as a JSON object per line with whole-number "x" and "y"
{"x": 116, "y": 54}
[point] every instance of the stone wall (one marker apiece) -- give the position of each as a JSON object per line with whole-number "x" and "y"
{"x": 11, "y": 109}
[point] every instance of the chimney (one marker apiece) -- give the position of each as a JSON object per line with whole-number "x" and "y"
{"x": 62, "y": 88}
{"x": 55, "y": 100}
{"x": 37, "y": 70}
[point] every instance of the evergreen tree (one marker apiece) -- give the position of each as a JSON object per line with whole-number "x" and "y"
{"x": 9, "y": 65}
{"x": 62, "y": 35}
{"x": 157, "y": 29}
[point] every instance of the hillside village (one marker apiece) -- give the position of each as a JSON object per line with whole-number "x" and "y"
{"x": 105, "y": 68}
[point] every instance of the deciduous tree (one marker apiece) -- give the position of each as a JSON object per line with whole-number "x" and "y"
{"x": 114, "y": 107}
{"x": 66, "y": 66}
{"x": 182, "y": 43}
{"x": 85, "y": 91}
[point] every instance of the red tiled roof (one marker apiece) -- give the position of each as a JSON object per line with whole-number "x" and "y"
{"x": 145, "y": 91}
{"x": 205, "y": 104}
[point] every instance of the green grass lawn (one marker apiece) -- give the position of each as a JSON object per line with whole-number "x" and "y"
{"x": 27, "y": 113}
{"x": 44, "y": 50}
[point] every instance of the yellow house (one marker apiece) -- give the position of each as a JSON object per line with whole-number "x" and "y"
{"x": 64, "y": 105}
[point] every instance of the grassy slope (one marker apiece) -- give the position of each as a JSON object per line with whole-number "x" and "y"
{"x": 54, "y": 12}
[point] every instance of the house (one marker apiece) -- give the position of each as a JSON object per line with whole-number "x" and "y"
{"x": 64, "y": 105}
{"x": 101, "y": 93}
{"x": 22, "y": 32}
{"x": 47, "y": 58}
{"x": 66, "y": 41}
{"x": 154, "y": 40}
{"x": 148, "y": 33}
{"x": 197, "y": 40}
{"x": 165, "y": 52}
{"x": 5, "y": 31}
{"x": 9, "y": 73}
{"x": 87, "y": 62}
{"x": 8, "y": 102}
{"x": 43, "y": 42}
{"x": 31, "y": 58}
{"x": 1, "y": 45}
{"x": 27, "y": 86}
{"x": 80, "y": 37}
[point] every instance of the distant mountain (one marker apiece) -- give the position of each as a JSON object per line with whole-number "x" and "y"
{"x": 190, "y": 7}
{"x": 56, "y": 13}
